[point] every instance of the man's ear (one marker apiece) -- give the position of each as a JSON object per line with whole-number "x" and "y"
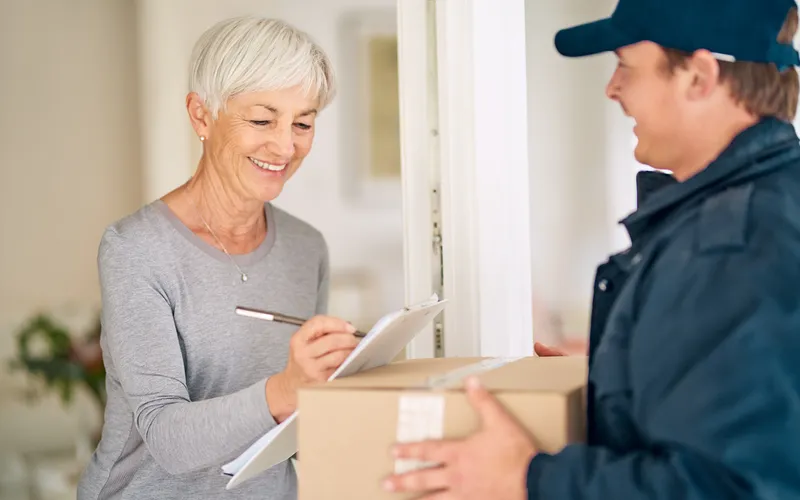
{"x": 198, "y": 114}
{"x": 703, "y": 70}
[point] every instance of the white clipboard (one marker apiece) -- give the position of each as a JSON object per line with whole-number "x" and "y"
{"x": 379, "y": 347}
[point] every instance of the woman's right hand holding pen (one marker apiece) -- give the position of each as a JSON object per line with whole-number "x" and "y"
{"x": 315, "y": 351}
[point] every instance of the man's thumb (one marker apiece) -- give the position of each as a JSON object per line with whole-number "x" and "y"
{"x": 488, "y": 407}
{"x": 544, "y": 351}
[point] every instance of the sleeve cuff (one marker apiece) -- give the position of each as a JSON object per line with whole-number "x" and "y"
{"x": 257, "y": 397}
{"x": 536, "y": 468}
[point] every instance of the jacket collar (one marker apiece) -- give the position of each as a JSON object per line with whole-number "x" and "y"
{"x": 746, "y": 156}
{"x": 650, "y": 181}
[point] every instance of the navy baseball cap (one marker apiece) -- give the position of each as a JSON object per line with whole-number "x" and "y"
{"x": 733, "y": 30}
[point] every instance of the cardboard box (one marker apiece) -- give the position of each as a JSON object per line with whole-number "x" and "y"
{"x": 348, "y": 425}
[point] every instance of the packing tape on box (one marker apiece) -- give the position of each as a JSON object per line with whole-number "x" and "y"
{"x": 455, "y": 378}
{"x": 420, "y": 417}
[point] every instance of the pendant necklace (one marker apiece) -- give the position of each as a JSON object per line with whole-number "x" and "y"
{"x": 219, "y": 242}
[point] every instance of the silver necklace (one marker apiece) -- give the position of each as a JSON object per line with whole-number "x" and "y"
{"x": 219, "y": 242}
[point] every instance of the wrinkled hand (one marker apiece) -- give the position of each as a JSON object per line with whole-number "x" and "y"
{"x": 492, "y": 463}
{"x": 315, "y": 351}
{"x": 544, "y": 351}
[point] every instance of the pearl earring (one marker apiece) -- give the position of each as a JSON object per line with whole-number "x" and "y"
{"x": 202, "y": 138}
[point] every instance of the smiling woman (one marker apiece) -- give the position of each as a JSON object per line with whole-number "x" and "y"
{"x": 257, "y": 143}
{"x": 189, "y": 383}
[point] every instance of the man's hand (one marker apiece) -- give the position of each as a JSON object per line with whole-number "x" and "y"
{"x": 545, "y": 352}
{"x": 492, "y": 463}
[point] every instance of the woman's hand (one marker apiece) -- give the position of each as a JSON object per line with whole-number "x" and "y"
{"x": 315, "y": 351}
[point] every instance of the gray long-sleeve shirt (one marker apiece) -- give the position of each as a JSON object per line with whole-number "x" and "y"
{"x": 185, "y": 375}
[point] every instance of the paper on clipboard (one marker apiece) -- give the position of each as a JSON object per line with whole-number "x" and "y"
{"x": 380, "y": 346}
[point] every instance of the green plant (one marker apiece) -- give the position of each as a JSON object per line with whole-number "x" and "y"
{"x": 61, "y": 360}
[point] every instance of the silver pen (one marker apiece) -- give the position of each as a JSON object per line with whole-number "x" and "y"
{"x": 277, "y": 317}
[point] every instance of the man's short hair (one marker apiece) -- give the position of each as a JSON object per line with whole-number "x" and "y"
{"x": 760, "y": 87}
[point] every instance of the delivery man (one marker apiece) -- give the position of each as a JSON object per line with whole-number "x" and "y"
{"x": 694, "y": 379}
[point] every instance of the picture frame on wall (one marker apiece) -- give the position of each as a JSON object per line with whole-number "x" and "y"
{"x": 369, "y": 93}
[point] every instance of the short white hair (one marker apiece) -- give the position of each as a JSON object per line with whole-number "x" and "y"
{"x": 253, "y": 54}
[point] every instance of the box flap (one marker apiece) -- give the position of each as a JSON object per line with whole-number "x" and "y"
{"x": 555, "y": 374}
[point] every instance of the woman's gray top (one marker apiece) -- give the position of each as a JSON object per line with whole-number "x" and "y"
{"x": 185, "y": 375}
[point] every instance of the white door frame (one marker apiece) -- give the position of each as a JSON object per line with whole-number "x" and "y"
{"x": 418, "y": 131}
{"x": 482, "y": 170}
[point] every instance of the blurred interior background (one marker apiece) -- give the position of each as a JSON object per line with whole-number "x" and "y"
{"x": 93, "y": 125}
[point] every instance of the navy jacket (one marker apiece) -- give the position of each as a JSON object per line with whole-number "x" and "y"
{"x": 694, "y": 365}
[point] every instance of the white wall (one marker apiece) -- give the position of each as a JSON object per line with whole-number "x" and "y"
{"x": 68, "y": 167}
{"x": 582, "y": 172}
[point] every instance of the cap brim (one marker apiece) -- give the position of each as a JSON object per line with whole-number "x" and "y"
{"x": 591, "y": 38}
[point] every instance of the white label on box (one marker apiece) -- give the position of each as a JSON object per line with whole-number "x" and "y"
{"x": 456, "y": 377}
{"x": 419, "y": 418}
